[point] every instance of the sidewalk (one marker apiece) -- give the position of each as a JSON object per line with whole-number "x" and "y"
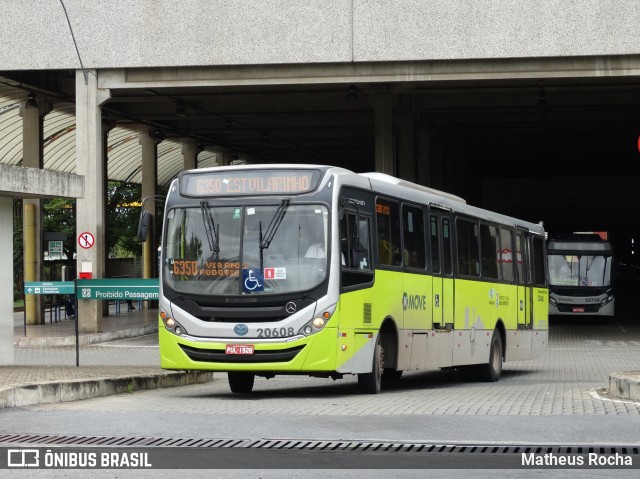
{"x": 44, "y": 369}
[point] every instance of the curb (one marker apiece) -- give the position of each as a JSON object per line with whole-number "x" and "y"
{"x": 84, "y": 339}
{"x": 625, "y": 385}
{"x": 74, "y": 390}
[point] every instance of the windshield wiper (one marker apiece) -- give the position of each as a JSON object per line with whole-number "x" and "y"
{"x": 274, "y": 224}
{"x": 210, "y": 228}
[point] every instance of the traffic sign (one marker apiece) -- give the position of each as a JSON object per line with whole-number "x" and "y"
{"x": 109, "y": 289}
{"x": 49, "y": 287}
{"x": 86, "y": 240}
{"x": 55, "y": 248}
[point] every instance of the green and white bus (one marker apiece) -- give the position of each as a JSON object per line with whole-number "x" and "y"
{"x": 580, "y": 276}
{"x": 316, "y": 270}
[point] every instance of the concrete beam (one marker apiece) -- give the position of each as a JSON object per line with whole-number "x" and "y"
{"x": 19, "y": 182}
{"x": 371, "y": 72}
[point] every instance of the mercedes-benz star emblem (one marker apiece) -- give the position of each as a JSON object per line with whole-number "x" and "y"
{"x": 241, "y": 329}
{"x": 290, "y": 307}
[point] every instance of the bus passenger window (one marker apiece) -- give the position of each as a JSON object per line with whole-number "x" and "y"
{"x": 539, "y": 270}
{"x": 435, "y": 245}
{"x": 446, "y": 247}
{"x": 489, "y": 246}
{"x": 519, "y": 259}
{"x": 388, "y": 233}
{"x": 413, "y": 237}
{"x": 505, "y": 257}
{"x": 355, "y": 249}
{"x": 468, "y": 253}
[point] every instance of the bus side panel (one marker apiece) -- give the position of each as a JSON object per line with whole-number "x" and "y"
{"x": 418, "y": 351}
{"x": 447, "y": 302}
{"x": 471, "y": 346}
{"x": 517, "y": 342}
{"x": 540, "y": 308}
{"x": 474, "y": 305}
{"x": 432, "y": 349}
{"x": 389, "y": 293}
{"x": 417, "y": 302}
{"x": 539, "y": 342}
{"x": 474, "y": 316}
{"x": 440, "y": 349}
{"x": 506, "y": 305}
{"x": 518, "y": 345}
{"x": 363, "y": 311}
{"x": 355, "y": 312}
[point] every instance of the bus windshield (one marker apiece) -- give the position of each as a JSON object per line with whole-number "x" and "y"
{"x": 245, "y": 250}
{"x": 579, "y": 271}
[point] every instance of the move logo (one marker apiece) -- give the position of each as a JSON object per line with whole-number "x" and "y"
{"x": 414, "y": 301}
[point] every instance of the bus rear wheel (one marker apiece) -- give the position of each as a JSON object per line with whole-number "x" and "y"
{"x": 371, "y": 383}
{"x": 240, "y": 382}
{"x": 492, "y": 370}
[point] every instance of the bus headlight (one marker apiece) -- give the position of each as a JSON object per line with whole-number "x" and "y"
{"x": 607, "y": 300}
{"x": 171, "y": 324}
{"x": 552, "y": 301}
{"x": 318, "y": 323}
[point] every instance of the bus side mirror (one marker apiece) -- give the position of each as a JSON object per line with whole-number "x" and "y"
{"x": 143, "y": 226}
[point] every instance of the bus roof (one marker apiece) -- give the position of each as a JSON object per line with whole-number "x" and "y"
{"x": 393, "y": 186}
{"x": 443, "y": 200}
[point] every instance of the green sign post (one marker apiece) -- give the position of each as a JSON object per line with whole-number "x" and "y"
{"x": 49, "y": 287}
{"x": 106, "y": 289}
{"x": 118, "y": 289}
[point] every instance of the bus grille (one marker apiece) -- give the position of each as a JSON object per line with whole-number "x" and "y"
{"x": 219, "y": 356}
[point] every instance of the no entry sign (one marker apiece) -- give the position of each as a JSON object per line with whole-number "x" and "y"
{"x": 86, "y": 240}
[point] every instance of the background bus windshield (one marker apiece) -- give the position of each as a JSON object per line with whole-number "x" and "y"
{"x": 234, "y": 250}
{"x": 579, "y": 271}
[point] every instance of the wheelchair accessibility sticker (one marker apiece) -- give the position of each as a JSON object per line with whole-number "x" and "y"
{"x": 252, "y": 281}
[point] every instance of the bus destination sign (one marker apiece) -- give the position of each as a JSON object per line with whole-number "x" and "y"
{"x": 250, "y": 182}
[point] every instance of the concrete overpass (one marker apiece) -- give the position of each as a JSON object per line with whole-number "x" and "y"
{"x": 527, "y": 108}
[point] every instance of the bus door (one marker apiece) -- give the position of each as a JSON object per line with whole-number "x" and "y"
{"x": 523, "y": 278}
{"x": 442, "y": 269}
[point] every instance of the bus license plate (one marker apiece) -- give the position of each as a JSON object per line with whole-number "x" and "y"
{"x": 578, "y": 310}
{"x": 239, "y": 349}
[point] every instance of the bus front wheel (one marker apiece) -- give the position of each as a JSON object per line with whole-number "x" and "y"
{"x": 240, "y": 382}
{"x": 370, "y": 383}
{"x": 492, "y": 370}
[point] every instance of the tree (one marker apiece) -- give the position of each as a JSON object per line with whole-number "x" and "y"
{"x": 123, "y": 211}
{"x": 60, "y": 216}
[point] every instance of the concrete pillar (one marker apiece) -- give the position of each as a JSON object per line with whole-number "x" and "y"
{"x": 226, "y": 156}
{"x": 383, "y": 112}
{"x": 33, "y": 157}
{"x": 107, "y": 126}
{"x": 6, "y": 271}
{"x": 149, "y": 142}
{"x": 406, "y": 132}
{"x": 190, "y": 150}
{"x": 90, "y": 209}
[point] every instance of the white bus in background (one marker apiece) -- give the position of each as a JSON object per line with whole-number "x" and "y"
{"x": 580, "y": 275}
